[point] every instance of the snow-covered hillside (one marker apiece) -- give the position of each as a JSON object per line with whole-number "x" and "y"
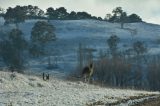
{"x": 25, "y": 90}
{"x": 91, "y": 33}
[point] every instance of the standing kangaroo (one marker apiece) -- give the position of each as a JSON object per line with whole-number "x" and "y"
{"x": 45, "y": 77}
{"x": 87, "y": 72}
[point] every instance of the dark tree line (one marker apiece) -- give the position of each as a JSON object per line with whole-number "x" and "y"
{"x": 20, "y": 13}
{"x": 15, "y": 15}
{"x": 122, "y": 69}
{"x": 120, "y": 16}
{"x": 62, "y": 14}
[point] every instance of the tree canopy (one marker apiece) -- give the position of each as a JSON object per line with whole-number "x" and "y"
{"x": 43, "y": 32}
{"x": 15, "y": 15}
{"x": 20, "y": 13}
{"x": 12, "y": 48}
{"x": 119, "y": 15}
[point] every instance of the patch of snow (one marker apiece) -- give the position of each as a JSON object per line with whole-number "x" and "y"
{"x": 25, "y": 90}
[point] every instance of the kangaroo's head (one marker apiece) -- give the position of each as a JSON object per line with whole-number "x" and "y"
{"x": 91, "y": 65}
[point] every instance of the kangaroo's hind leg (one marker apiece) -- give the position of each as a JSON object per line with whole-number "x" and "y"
{"x": 85, "y": 78}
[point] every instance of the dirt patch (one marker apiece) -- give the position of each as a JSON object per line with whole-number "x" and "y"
{"x": 154, "y": 100}
{"x": 150, "y": 102}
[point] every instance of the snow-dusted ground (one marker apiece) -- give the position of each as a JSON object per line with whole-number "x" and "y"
{"x": 27, "y": 90}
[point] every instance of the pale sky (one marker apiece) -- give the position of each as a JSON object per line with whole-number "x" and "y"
{"x": 149, "y": 10}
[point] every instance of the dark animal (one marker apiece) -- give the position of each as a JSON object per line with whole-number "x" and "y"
{"x": 87, "y": 72}
{"x": 45, "y": 77}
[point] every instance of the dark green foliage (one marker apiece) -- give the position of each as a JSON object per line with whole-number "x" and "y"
{"x": 117, "y": 11}
{"x": 72, "y": 15}
{"x": 139, "y": 47}
{"x": 15, "y": 36}
{"x": 112, "y": 43}
{"x": 36, "y": 50}
{"x": 120, "y": 16}
{"x": 59, "y": 13}
{"x": 94, "y": 17}
{"x": 99, "y": 18}
{"x": 40, "y": 14}
{"x": 62, "y": 14}
{"x": 18, "y": 14}
{"x": 83, "y": 15}
{"x": 33, "y": 12}
{"x": 134, "y": 18}
{"x": 11, "y": 57}
{"x": 15, "y": 15}
{"x": 112, "y": 19}
{"x": 51, "y": 13}
{"x": 108, "y": 16}
{"x": 42, "y": 32}
{"x": 123, "y": 18}
{"x": 12, "y": 48}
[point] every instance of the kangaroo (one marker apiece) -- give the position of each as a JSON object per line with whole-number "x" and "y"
{"x": 87, "y": 72}
{"x": 45, "y": 77}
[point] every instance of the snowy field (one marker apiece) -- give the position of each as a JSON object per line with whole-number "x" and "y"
{"x": 27, "y": 90}
{"x": 92, "y": 33}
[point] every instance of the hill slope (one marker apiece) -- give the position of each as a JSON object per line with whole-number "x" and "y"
{"x": 24, "y": 90}
{"x": 92, "y": 33}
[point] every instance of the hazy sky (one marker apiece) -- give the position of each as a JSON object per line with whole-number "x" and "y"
{"x": 149, "y": 10}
